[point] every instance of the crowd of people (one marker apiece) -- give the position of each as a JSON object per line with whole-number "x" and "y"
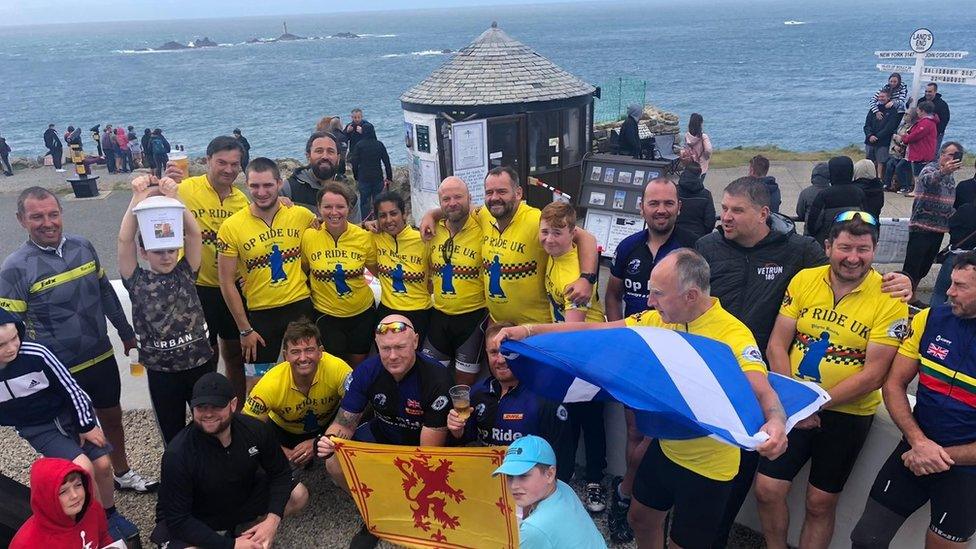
{"x": 275, "y": 283}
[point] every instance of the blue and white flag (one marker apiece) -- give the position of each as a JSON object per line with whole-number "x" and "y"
{"x": 680, "y": 385}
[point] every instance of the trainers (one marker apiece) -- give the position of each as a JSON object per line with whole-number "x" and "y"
{"x": 617, "y": 524}
{"x": 596, "y": 497}
{"x": 364, "y": 539}
{"x": 133, "y": 481}
{"x": 120, "y": 528}
{"x": 60, "y": 170}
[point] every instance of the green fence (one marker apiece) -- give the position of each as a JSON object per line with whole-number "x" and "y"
{"x": 615, "y": 96}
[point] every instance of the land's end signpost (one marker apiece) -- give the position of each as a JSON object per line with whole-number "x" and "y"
{"x": 921, "y": 50}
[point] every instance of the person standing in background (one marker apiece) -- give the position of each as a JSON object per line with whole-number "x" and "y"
{"x": 159, "y": 151}
{"x": 124, "y": 153}
{"x": 630, "y": 144}
{"x": 53, "y": 143}
{"x": 355, "y": 130}
{"x": 698, "y": 146}
{"x": 107, "y": 148}
{"x": 135, "y": 149}
{"x": 941, "y": 110}
{"x": 246, "y": 145}
{"x": 369, "y": 161}
{"x": 5, "y": 157}
{"x": 147, "y": 159}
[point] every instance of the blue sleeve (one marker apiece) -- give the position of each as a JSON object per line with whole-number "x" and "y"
{"x": 622, "y": 255}
{"x": 67, "y": 385}
{"x": 357, "y": 387}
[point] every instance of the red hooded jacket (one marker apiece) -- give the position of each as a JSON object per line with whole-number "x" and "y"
{"x": 921, "y": 139}
{"x": 49, "y": 527}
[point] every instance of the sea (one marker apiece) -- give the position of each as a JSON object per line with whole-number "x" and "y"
{"x": 797, "y": 74}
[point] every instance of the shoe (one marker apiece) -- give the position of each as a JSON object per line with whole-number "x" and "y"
{"x": 617, "y": 524}
{"x": 364, "y": 539}
{"x": 120, "y": 528}
{"x": 134, "y": 482}
{"x": 60, "y": 170}
{"x": 910, "y": 194}
{"x": 596, "y": 497}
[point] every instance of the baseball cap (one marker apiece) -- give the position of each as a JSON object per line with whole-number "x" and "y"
{"x": 524, "y": 454}
{"x": 212, "y": 389}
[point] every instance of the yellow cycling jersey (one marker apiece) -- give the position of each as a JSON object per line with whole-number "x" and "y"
{"x": 455, "y": 268}
{"x": 560, "y": 272}
{"x": 337, "y": 267}
{"x": 401, "y": 262}
{"x": 268, "y": 257}
{"x": 210, "y": 211}
{"x": 277, "y": 397}
{"x": 704, "y": 455}
{"x": 514, "y": 265}
{"x": 831, "y": 338}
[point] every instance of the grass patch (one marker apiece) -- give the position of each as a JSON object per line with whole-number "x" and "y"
{"x": 740, "y": 156}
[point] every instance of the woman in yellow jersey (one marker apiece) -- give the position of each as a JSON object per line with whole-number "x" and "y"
{"x": 557, "y": 224}
{"x": 337, "y": 255}
{"x": 401, "y": 257}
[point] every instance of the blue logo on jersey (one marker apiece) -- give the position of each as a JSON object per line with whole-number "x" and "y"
{"x": 339, "y": 279}
{"x": 809, "y": 368}
{"x": 495, "y": 279}
{"x": 447, "y": 279}
{"x": 277, "y": 261}
{"x": 396, "y": 274}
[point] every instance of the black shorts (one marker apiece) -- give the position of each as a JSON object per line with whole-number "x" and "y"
{"x": 347, "y": 335}
{"x": 698, "y": 502}
{"x": 219, "y": 320}
{"x": 420, "y": 319}
{"x": 288, "y": 439}
{"x": 952, "y": 495}
{"x": 102, "y": 383}
{"x": 271, "y": 324}
{"x": 458, "y": 338}
{"x": 832, "y": 449}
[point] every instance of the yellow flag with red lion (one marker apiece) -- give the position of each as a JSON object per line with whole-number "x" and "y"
{"x": 431, "y": 496}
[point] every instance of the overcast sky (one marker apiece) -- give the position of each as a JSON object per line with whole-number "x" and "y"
{"x": 32, "y": 12}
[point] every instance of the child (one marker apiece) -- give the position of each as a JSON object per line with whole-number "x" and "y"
{"x": 66, "y": 513}
{"x": 166, "y": 312}
{"x": 51, "y": 412}
{"x": 556, "y": 227}
{"x": 552, "y": 517}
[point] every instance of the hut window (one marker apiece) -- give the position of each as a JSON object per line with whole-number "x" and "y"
{"x": 544, "y": 141}
{"x": 572, "y": 131}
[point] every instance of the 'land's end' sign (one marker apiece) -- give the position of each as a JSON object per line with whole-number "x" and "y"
{"x": 922, "y": 40}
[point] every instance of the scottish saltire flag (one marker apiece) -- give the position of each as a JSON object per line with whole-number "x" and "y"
{"x": 431, "y": 497}
{"x": 680, "y": 385}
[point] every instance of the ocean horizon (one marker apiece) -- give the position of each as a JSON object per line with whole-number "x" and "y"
{"x": 796, "y": 75}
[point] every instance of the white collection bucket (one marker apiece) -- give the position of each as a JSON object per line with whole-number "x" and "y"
{"x": 160, "y": 222}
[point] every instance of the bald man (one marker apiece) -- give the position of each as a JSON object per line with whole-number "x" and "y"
{"x": 408, "y": 392}
{"x": 456, "y": 332}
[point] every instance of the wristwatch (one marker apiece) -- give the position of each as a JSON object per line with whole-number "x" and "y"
{"x": 589, "y": 277}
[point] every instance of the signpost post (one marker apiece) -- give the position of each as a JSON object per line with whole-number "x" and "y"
{"x": 921, "y": 43}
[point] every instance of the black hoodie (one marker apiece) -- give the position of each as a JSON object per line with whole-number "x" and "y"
{"x": 697, "y": 214}
{"x": 941, "y": 109}
{"x": 840, "y": 196}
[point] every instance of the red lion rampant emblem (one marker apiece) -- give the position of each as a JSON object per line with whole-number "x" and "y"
{"x": 421, "y": 483}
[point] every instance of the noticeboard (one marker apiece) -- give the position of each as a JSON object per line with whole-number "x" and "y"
{"x": 610, "y": 193}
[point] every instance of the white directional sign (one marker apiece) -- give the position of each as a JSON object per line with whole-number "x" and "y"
{"x": 929, "y": 71}
{"x": 906, "y": 54}
{"x": 920, "y": 43}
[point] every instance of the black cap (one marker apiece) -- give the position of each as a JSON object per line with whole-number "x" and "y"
{"x": 212, "y": 389}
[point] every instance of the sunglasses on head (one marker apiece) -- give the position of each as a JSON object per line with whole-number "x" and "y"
{"x": 395, "y": 327}
{"x": 850, "y": 215}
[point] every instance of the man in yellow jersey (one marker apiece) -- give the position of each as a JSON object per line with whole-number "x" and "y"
{"x": 212, "y": 198}
{"x": 401, "y": 257}
{"x": 513, "y": 260}
{"x": 457, "y": 322}
{"x": 556, "y": 226}
{"x": 301, "y": 395}
{"x": 337, "y": 255}
{"x": 262, "y": 245}
{"x": 835, "y": 328}
{"x": 692, "y": 478}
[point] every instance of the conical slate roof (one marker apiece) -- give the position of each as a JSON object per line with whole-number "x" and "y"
{"x": 496, "y": 69}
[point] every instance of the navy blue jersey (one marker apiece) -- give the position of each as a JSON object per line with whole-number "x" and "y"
{"x": 401, "y": 408}
{"x": 946, "y": 396}
{"x": 633, "y": 263}
{"x": 499, "y": 420}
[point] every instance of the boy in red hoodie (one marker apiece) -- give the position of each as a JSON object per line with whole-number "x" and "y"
{"x": 66, "y": 513}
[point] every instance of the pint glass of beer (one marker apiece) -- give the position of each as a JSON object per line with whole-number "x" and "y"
{"x": 461, "y": 399}
{"x": 182, "y": 161}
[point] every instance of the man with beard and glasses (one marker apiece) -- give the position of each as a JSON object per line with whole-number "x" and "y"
{"x": 262, "y": 244}
{"x": 304, "y": 184}
{"x": 512, "y": 256}
{"x": 838, "y": 329}
{"x": 456, "y": 331}
{"x": 226, "y": 482}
